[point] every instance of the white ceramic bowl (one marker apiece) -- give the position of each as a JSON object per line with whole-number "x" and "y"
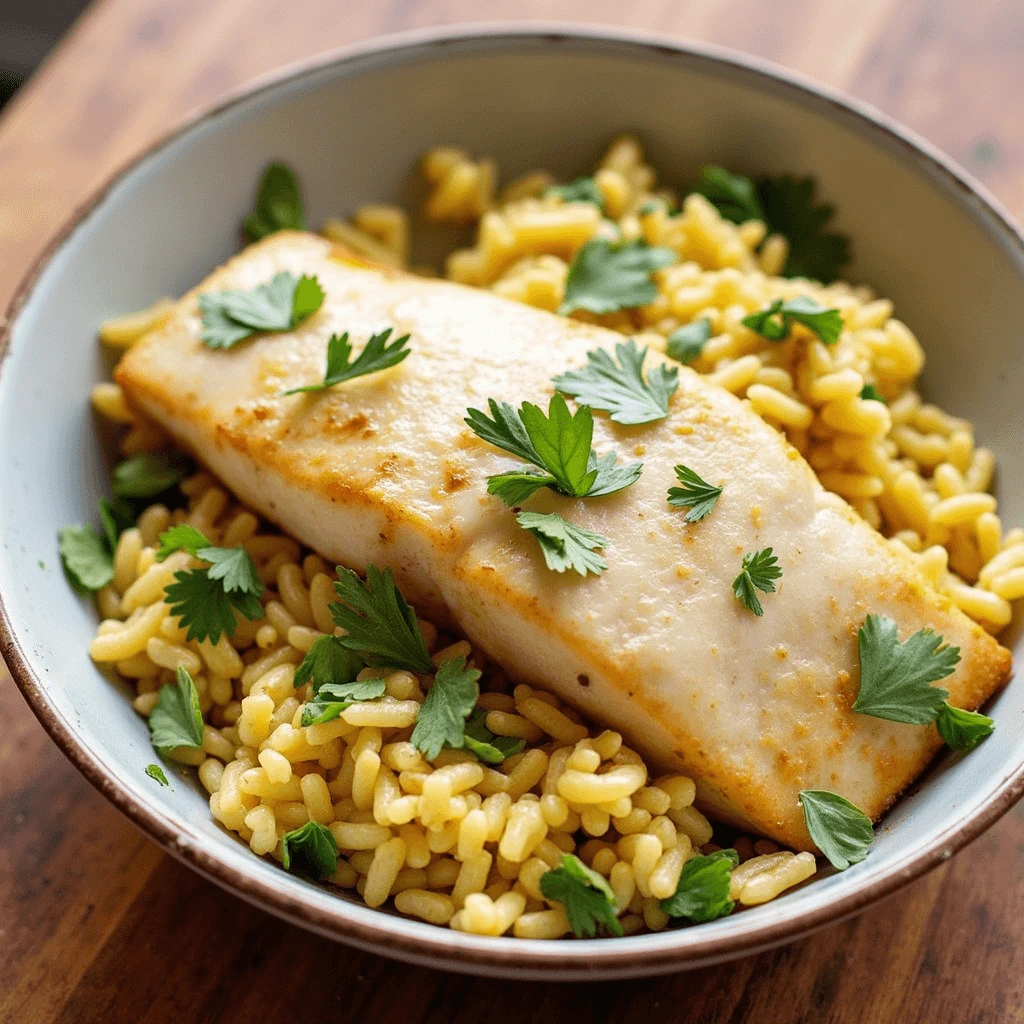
{"x": 353, "y": 125}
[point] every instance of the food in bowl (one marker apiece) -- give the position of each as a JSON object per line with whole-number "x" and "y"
{"x": 674, "y": 558}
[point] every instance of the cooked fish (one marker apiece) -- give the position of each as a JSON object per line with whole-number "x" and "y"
{"x": 382, "y": 469}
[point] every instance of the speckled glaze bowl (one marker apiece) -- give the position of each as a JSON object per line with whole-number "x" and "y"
{"x": 353, "y": 125}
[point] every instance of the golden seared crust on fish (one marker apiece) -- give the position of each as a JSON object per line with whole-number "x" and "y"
{"x": 382, "y": 469}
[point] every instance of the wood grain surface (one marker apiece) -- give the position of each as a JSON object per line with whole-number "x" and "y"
{"x": 96, "y": 924}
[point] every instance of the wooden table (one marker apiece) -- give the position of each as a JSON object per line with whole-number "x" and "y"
{"x": 96, "y": 924}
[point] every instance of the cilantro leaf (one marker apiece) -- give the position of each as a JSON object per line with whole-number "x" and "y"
{"x": 234, "y": 568}
{"x": 962, "y": 730}
{"x": 759, "y": 571}
{"x": 280, "y": 304}
{"x": 328, "y": 661}
{"x": 872, "y": 394}
{"x": 176, "y": 720}
{"x": 148, "y": 474}
{"x": 582, "y": 190}
{"x": 686, "y": 343}
{"x": 379, "y": 624}
{"x": 116, "y": 516}
{"x": 620, "y": 389}
{"x": 604, "y": 278}
{"x": 562, "y": 441}
{"x": 563, "y": 544}
{"x": 332, "y": 698}
{"x": 154, "y": 771}
{"x": 790, "y": 210}
{"x": 841, "y": 830}
{"x": 611, "y": 478}
{"x": 696, "y": 494}
{"x": 775, "y": 320}
{"x": 895, "y": 678}
{"x": 514, "y": 488}
{"x": 87, "y": 560}
{"x": 181, "y": 538}
{"x": 442, "y": 717}
{"x": 702, "y": 892}
{"x": 488, "y": 747}
{"x": 586, "y": 897}
{"x": 278, "y": 204}
{"x": 505, "y": 430}
{"x": 205, "y": 607}
{"x": 312, "y": 848}
{"x": 732, "y": 194}
{"x": 377, "y": 355}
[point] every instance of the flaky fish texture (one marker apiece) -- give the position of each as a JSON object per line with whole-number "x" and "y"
{"x": 382, "y": 469}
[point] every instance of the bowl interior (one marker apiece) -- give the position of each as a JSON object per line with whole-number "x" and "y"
{"x": 354, "y": 131}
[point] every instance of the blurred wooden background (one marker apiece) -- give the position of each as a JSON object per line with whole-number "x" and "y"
{"x": 96, "y": 924}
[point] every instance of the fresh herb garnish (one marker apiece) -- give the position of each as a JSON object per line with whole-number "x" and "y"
{"x": 559, "y": 444}
{"x": 312, "y": 848}
{"x": 872, "y": 394}
{"x": 148, "y": 474}
{"x": 702, "y": 892}
{"x": 582, "y": 190}
{"x": 331, "y": 699}
{"x": 775, "y": 320}
{"x": 841, "y": 830}
{"x": 278, "y": 204}
{"x": 490, "y": 748}
{"x": 620, "y": 388}
{"x": 280, "y": 304}
{"x": 379, "y": 624}
{"x": 328, "y": 661}
{"x": 116, "y": 516}
{"x": 377, "y": 355}
{"x": 442, "y": 717}
{"x": 154, "y": 771}
{"x": 176, "y": 720}
{"x": 686, "y": 343}
{"x": 86, "y": 557}
{"x": 586, "y": 897}
{"x": 696, "y": 494}
{"x": 962, "y": 730}
{"x": 563, "y": 544}
{"x": 733, "y": 195}
{"x": 605, "y": 277}
{"x": 759, "y": 571}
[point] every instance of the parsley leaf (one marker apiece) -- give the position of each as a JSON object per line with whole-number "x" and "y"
{"x": 234, "y": 568}
{"x": 620, "y": 389}
{"x": 582, "y": 190}
{"x": 379, "y": 624}
{"x": 116, "y": 516}
{"x": 181, "y": 538}
{"x": 442, "y": 717}
{"x": 604, "y": 278}
{"x": 872, "y": 394}
{"x": 895, "y": 678}
{"x": 775, "y": 320}
{"x": 962, "y": 730}
{"x": 87, "y": 560}
{"x": 734, "y": 196}
{"x": 491, "y": 749}
{"x": 328, "y": 661}
{"x": 154, "y": 771}
{"x": 841, "y": 830}
{"x": 611, "y": 478}
{"x": 702, "y": 892}
{"x": 278, "y": 204}
{"x": 332, "y": 698}
{"x": 377, "y": 355}
{"x": 176, "y": 720}
{"x": 686, "y": 343}
{"x": 280, "y": 304}
{"x": 562, "y": 442}
{"x": 586, "y": 897}
{"x": 563, "y": 544}
{"x": 696, "y": 494}
{"x": 148, "y": 474}
{"x": 759, "y": 571}
{"x": 312, "y": 848}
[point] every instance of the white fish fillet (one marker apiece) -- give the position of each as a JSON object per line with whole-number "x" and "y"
{"x": 383, "y": 470}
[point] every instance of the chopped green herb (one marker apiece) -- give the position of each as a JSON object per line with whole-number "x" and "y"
{"x": 312, "y": 849}
{"x": 332, "y": 698}
{"x": 586, "y": 897}
{"x": 377, "y": 355}
{"x": 605, "y": 277}
{"x": 154, "y": 771}
{"x": 181, "y": 538}
{"x": 841, "y": 830}
{"x": 775, "y": 320}
{"x": 620, "y": 388}
{"x": 696, "y": 494}
{"x": 328, "y": 661}
{"x": 702, "y": 892}
{"x": 450, "y": 701}
{"x": 148, "y": 474}
{"x": 686, "y": 343}
{"x": 759, "y": 571}
{"x": 86, "y": 558}
{"x": 734, "y": 196}
{"x": 176, "y": 720}
{"x": 491, "y": 749}
{"x": 563, "y": 544}
{"x": 280, "y": 304}
{"x": 872, "y": 394}
{"x": 116, "y": 516}
{"x": 582, "y": 190}
{"x": 962, "y": 730}
{"x": 278, "y": 204}
{"x": 378, "y": 622}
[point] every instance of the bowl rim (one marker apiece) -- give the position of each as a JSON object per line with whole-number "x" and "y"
{"x": 423, "y": 943}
